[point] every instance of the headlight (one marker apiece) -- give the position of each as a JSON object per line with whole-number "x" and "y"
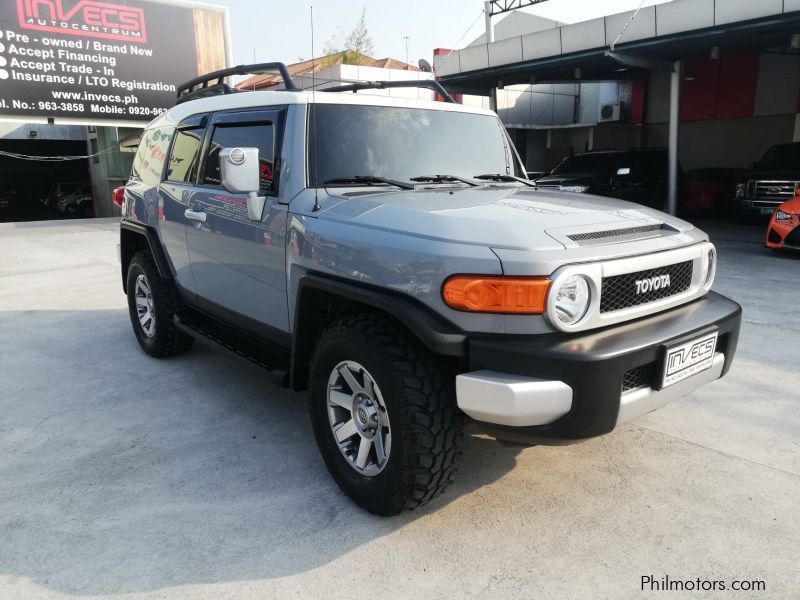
{"x": 740, "y": 189}
{"x": 782, "y": 216}
{"x": 708, "y": 267}
{"x": 578, "y": 189}
{"x": 571, "y": 299}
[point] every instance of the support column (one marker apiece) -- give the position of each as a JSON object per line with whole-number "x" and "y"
{"x": 487, "y": 18}
{"x": 676, "y": 78}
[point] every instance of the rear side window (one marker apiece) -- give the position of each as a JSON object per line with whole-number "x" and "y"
{"x": 261, "y": 136}
{"x": 151, "y": 155}
{"x": 184, "y": 155}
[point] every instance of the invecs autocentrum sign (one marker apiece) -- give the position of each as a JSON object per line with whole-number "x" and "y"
{"x": 86, "y": 18}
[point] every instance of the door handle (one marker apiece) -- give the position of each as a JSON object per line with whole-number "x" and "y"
{"x": 194, "y": 215}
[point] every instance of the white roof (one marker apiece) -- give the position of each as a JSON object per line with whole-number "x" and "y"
{"x": 280, "y": 98}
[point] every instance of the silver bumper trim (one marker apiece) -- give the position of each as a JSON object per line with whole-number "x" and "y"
{"x": 518, "y": 401}
{"x": 644, "y": 400}
{"x": 505, "y": 399}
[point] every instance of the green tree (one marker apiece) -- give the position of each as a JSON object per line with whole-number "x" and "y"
{"x": 357, "y": 44}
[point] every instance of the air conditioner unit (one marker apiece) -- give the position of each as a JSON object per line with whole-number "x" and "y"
{"x": 614, "y": 111}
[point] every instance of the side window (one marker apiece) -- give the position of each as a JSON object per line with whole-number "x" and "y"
{"x": 149, "y": 162}
{"x": 261, "y": 136}
{"x": 184, "y": 155}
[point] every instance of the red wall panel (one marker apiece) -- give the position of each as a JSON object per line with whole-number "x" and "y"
{"x": 738, "y": 80}
{"x": 720, "y": 89}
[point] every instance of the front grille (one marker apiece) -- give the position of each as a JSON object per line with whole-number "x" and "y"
{"x": 639, "y": 377}
{"x": 774, "y": 189}
{"x": 595, "y": 238}
{"x": 793, "y": 239}
{"x": 621, "y": 291}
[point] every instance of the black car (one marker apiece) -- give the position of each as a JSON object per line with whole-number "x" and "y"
{"x": 769, "y": 182}
{"x": 639, "y": 175}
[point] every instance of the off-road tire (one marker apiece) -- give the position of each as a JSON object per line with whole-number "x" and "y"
{"x": 418, "y": 389}
{"x": 167, "y": 340}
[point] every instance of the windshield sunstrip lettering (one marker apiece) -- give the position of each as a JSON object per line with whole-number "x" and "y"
{"x": 86, "y": 17}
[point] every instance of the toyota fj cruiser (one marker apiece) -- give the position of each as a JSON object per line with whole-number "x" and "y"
{"x": 390, "y": 257}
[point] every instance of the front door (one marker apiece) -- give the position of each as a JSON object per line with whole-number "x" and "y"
{"x": 175, "y": 194}
{"x": 239, "y": 265}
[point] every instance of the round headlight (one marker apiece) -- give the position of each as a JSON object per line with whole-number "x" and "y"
{"x": 571, "y": 299}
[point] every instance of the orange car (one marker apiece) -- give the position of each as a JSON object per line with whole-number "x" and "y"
{"x": 784, "y": 227}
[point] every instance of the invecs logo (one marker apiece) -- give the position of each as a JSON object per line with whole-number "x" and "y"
{"x": 86, "y": 18}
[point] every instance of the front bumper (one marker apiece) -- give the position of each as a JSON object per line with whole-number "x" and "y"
{"x": 782, "y": 234}
{"x": 756, "y": 207}
{"x": 558, "y": 388}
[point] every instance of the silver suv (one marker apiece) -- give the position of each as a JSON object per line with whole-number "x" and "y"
{"x": 390, "y": 257}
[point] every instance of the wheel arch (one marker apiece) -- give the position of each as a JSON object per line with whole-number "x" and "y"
{"x": 135, "y": 237}
{"x": 323, "y": 299}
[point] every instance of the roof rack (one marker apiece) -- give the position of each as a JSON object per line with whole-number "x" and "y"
{"x": 199, "y": 86}
{"x": 203, "y": 86}
{"x": 431, "y": 84}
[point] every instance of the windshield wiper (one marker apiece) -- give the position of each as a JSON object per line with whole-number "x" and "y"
{"x": 504, "y": 177}
{"x": 368, "y": 180}
{"x": 443, "y": 179}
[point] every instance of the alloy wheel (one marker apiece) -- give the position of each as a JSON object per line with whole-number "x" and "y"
{"x": 358, "y": 418}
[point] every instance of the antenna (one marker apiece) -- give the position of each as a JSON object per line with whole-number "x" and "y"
{"x": 314, "y": 113}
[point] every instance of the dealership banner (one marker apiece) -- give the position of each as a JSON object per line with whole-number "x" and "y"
{"x": 102, "y": 62}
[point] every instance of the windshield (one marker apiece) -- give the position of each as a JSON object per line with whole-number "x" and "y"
{"x": 781, "y": 157}
{"x": 595, "y": 164}
{"x": 401, "y": 143}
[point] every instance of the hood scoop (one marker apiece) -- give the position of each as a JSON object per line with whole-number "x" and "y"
{"x": 363, "y": 193}
{"x": 627, "y": 234}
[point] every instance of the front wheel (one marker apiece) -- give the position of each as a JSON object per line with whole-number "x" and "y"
{"x": 384, "y": 414}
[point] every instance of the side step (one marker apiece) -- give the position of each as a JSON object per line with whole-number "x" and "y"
{"x": 210, "y": 332}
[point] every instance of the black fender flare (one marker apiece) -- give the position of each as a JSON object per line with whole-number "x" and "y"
{"x": 153, "y": 243}
{"x": 438, "y": 334}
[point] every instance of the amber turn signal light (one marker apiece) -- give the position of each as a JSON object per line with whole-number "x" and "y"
{"x": 491, "y": 294}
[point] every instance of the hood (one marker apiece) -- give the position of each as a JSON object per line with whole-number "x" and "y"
{"x": 509, "y": 217}
{"x": 791, "y": 206}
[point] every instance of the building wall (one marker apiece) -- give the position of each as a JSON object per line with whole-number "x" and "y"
{"x": 724, "y": 142}
{"x": 732, "y": 109}
{"x": 22, "y": 131}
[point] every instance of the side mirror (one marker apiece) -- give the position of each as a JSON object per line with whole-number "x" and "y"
{"x": 240, "y": 174}
{"x": 752, "y": 166}
{"x": 624, "y": 171}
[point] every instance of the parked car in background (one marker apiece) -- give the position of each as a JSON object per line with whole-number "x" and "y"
{"x": 639, "y": 174}
{"x": 711, "y": 190}
{"x": 769, "y": 182}
{"x": 9, "y": 202}
{"x": 74, "y": 198}
{"x": 783, "y": 232}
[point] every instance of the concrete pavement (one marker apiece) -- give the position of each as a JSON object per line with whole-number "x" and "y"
{"x": 122, "y": 476}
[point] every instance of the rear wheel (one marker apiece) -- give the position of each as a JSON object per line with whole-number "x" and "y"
{"x": 152, "y": 303}
{"x": 384, "y": 414}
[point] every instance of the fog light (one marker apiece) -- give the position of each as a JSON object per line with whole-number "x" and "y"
{"x": 571, "y": 299}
